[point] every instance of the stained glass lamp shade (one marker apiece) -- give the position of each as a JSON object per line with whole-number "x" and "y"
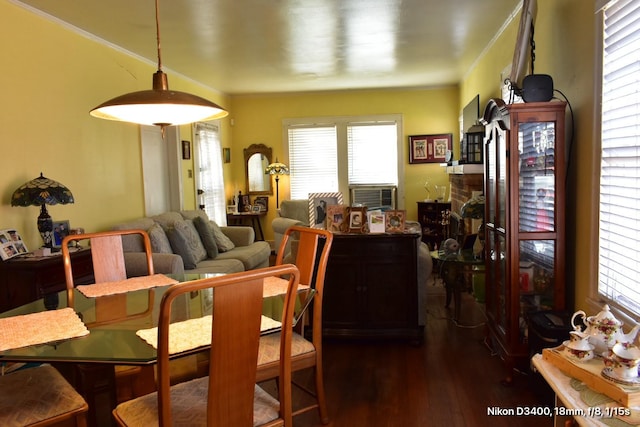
{"x": 42, "y": 191}
{"x": 277, "y": 169}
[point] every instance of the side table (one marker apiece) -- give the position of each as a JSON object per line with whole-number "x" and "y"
{"x": 241, "y": 218}
{"x": 453, "y": 267}
{"x": 29, "y": 278}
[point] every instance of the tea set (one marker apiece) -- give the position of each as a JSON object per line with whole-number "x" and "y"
{"x": 604, "y": 337}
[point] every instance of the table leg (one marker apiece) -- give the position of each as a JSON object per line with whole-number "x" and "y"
{"x": 257, "y": 220}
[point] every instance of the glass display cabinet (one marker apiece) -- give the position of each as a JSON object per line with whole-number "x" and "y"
{"x": 525, "y": 220}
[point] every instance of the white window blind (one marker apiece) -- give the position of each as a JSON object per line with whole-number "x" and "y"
{"x": 313, "y": 158}
{"x": 619, "y": 238}
{"x": 372, "y": 153}
{"x": 210, "y": 178}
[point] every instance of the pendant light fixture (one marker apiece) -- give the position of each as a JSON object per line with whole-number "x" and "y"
{"x": 159, "y": 106}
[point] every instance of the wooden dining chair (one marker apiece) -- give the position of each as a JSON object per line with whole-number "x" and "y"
{"x": 311, "y": 257}
{"x": 40, "y": 396}
{"x": 123, "y": 382}
{"x": 229, "y": 395}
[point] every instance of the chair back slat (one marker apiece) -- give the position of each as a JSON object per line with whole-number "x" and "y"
{"x": 233, "y": 355}
{"x": 108, "y": 259}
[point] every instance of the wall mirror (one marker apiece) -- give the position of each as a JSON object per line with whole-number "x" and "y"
{"x": 256, "y": 159}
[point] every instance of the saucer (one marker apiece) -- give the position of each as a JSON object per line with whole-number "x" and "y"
{"x": 610, "y": 374}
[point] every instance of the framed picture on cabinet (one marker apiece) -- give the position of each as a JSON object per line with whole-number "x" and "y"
{"x": 318, "y": 203}
{"x": 60, "y": 231}
{"x": 394, "y": 221}
{"x": 262, "y": 202}
{"x": 357, "y": 219}
{"x": 429, "y": 148}
{"x": 335, "y": 217}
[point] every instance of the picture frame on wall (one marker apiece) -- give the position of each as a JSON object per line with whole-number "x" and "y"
{"x": 60, "y": 231}
{"x": 429, "y": 148}
{"x": 186, "y": 150}
{"x": 318, "y": 203}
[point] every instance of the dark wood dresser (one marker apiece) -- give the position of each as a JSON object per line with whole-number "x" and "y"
{"x": 371, "y": 287}
{"x": 26, "y": 279}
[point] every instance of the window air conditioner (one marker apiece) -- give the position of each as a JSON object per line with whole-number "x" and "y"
{"x": 374, "y": 196}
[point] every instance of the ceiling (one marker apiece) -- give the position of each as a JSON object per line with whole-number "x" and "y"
{"x": 266, "y": 46}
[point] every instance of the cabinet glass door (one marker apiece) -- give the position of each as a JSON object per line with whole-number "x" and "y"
{"x": 537, "y": 182}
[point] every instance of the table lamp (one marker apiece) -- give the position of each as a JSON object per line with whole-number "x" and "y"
{"x": 277, "y": 169}
{"x": 474, "y": 209}
{"x": 42, "y": 191}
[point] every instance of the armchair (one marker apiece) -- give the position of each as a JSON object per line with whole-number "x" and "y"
{"x": 291, "y": 212}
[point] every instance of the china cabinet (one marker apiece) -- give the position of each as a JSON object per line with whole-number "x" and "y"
{"x": 525, "y": 220}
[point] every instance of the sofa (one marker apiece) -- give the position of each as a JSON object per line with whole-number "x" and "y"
{"x": 296, "y": 212}
{"x": 189, "y": 242}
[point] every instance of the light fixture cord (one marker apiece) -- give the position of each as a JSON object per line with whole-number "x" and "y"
{"x": 158, "y": 36}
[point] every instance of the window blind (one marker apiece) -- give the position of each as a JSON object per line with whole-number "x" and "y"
{"x": 619, "y": 237}
{"x": 313, "y": 158}
{"x": 372, "y": 153}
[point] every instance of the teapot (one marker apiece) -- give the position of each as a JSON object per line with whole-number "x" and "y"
{"x": 604, "y": 329}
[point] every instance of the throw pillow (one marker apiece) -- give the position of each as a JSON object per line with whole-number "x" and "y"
{"x": 224, "y": 243}
{"x": 206, "y": 235}
{"x": 186, "y": 242}
{"x": 159, "y": 241}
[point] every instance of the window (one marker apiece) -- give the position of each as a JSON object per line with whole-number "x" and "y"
{"x": 619, "y": 237}
{"x": 331, "y": 154}
{"x": 210, "y": 180}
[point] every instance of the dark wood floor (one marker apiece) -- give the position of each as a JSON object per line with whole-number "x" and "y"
{"x": 451, "y": 380}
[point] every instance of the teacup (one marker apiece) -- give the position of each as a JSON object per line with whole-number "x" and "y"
{"x": 625, "y": 357}
{"x": 578, "y": 347}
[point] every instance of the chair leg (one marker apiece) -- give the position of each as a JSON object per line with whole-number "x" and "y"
{"x": 322, "y": 403}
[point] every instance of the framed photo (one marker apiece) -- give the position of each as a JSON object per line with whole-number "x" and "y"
{"x": 394, "y": 221}
{"x": 357, "y": 219}
{"x": 335, "y": 217}
{"x": 263, "y": 202}
{"x": 11, "y": 244}
{"x": 186, "y": 150}
{"x": 226, "y": 155}
{"x": 256, "y": 208}
{"x": 318, "y": 203}
{"x": 232, "y": 209}
{"x": 429, "y": 148}
{"x": 60, "y": 231}
{"x": 246, "y": 203}
{"x": 376, "y": 221}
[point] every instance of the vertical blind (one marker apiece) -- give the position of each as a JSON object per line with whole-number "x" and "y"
{"x": 619, "y": 237}
{"x": 313, "y": 160}
{"x": 372, "y": 153}
{"x": 210, "y": 178}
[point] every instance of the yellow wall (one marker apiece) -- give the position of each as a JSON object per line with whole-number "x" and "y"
{"x": 50, "y": 79}
{"x": 565, "y": 48}
{"x": 258, "y": 119}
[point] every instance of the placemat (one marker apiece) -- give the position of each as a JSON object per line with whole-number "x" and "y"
{"x": 123, "y": 286}
{"x": 192, "y": 333}
{"x": 40, "y": 328}
{"x": 277, "y": 286}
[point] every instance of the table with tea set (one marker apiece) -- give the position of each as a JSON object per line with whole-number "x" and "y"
{"x": 594, "y": 373}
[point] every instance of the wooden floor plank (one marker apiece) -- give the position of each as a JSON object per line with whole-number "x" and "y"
{"x": 450, "y": 380}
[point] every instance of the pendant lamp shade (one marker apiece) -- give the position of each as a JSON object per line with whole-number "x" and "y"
{"x": 159, "y": 106}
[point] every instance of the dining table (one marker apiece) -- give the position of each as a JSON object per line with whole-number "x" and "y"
{"x": 85, "y": 327}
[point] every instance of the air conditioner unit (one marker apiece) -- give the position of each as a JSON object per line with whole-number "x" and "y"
{"x": 374, "y": 196}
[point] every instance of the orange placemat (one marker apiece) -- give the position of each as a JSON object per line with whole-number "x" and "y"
{"x": 123, "y": 286}
{"x": 277, "y": 286}
{"x": 192, "y": 333}
{"x": 40, "y": 328}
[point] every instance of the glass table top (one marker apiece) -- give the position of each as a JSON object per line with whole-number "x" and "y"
{"x": 113, "y": 321}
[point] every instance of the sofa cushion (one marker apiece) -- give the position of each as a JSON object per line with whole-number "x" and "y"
{"x": 186, "y": 242}
{"x": 159, "y": 240}
{"x": 224, "y": 243}
{"x": 206, "y": 235}
{"x": 133, "y": 243}
{"x": 218, "y": 265}
{"x": 167, "y": 219}
{"x": 256, "y": 255}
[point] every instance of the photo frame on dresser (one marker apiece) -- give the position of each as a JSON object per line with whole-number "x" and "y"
{"x": 356, "y": 219}
{"x": 335, "y": 217}
{"x": 60, "y": 231}
{"x": 318, "y": 203}
{"x": 394, "y": 221}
